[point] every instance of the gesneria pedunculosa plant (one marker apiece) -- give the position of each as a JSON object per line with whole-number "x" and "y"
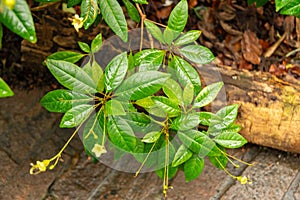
{"x": 148, "y": 104}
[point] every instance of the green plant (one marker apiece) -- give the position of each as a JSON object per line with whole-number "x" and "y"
{"x": 5, "y": 91}
{"x": 145, "y": 105}
{"x": 286, "y": 7}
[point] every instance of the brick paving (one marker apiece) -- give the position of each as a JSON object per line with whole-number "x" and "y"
{"x": 29, "y": 133}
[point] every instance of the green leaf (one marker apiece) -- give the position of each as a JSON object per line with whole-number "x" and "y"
{"x": 115, "y": 71}
{"x": 84, "y": 47}
{"x": 207, "y": 94}
{"x": 188, "y": 37}
{"x": 63, "y": 100}
{"x": 178, "y": 17}
{"x": 132, "y": 11}
{"x": 69, "y": 56}
{"x": 170, "y": 35}
{"x": 141, "y": 85}
{"x": 5, "y": 91}
{"x": 140, "y": 1}
{"x": 173, "y": 91}
{"x": 197, "y": 54}
{"x": 149, "y": 59}
{"x": 93, "y": 132}
{"x": 292, "y": 8}
{"x": 154, "y": 30}
{"x": 188, "y": 94}
{"x": 172, "y": 171}
{"x": 197, "y": 142}
{"x": 145, "y": 102}
{"x": 114, "y": 107}
{"x": 19, "y": 20}
{"x": 193, "y": 168}
{"x": 219, "y": 161}
{"x": 186, "y": 73}
{"x": 114, "y": 17}
{"x": 186, "y": 122}
{"x": 140, "y": 122}
{"x": 151, "y": 137}
{"x": 169, "y": 107}
{"x": 281, "y": 3}
{"x": 121, "y": 134}
{"x": 96, "y": 74}
{"x": 72, "y": 3}
{"x": 71, "y": 76}
{"x": 76, "y": 115}
{"x": 205, "y": 118}
{"x": 181, "y": 156}
{"x": 230, "y": 140}
{"x": 89, "y": 12}
{"x": 96, "y": 43}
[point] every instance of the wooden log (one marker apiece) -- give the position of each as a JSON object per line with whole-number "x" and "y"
{"x": 269, "y": 109}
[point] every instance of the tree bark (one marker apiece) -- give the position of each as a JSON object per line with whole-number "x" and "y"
{"x": 269, "y": 109}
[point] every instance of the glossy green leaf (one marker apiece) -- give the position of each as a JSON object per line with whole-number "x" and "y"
{"x": 96, "y": 43}
{"x": 141, "y": 85}
{"x": 173, "y": 91}
{"x": 188, "y": 94}
{"x": 207, "y": 94}
{"x": 89, "y": 12}
{"x": 69, "y": 56}
{"x": 151, "y": 137}
{"x": 145, "y": 102}
{"x": 172, "y": 171}
{"x": 170, "y": 35}
{"x": 121, "y": 134}
{"x": 181, "y": 156}
{"x": 72, "y": 3}
{"x": 115, "y": 71}
{"x": 71, "y": 76}
{"x": 84, "y": 47}
{"x": 76, "y": 115}
{"x": 188, "y": 37}
{"x": 197, "y": 54}
{"x": 193, "y": 168}
{"x": 186, "y": 73}
{"x": 186, "y": 122}
{"x": 219, "y": 161}
{"x": 96, "y": 74}
{"x": 140, "y": 1}
{"x": 149, "y": 59}
{"x": 132, "y": 11}
{"x": 230, "y": 140}
{"x": 63, "y": 100}
{"x": 140, "y": 122}
{"x": 205, "y": 118}
{"x": 5, "y": 91}
{"x": 169, "y": 107}
{"x": 197, "y": 142}
{"x": 114, "y": 17}
{"x": 154, "y": 30}
{"x": 93, "y": 132}
{"x": 19, "y": 20}
{"x": 292, "y": 8}
{"x": 282, "y": 3}
{"x": 178, "y": 17}
{"x": 114, "y": 107}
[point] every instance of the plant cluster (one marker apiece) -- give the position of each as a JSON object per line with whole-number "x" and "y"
{"x": 147, "y": 105}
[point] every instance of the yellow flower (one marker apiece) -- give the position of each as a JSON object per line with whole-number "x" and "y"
{"x": 243, "y": 180}
{"x": 39, "y": 166}
{"x": 77, "y": 22}
{"x": 10, "y": 3}
{"x": 98, "y": 150}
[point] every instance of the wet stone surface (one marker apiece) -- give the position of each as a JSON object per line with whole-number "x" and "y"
{"x": 29, "y": 133}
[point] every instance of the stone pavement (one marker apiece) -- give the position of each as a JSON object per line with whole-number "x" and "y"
{"x": 29, "y": 133}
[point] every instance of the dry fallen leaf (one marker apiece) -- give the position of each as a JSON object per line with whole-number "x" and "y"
{"x": 251, "y": 48}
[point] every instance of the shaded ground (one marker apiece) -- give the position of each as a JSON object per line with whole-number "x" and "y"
{"x": 29, "y": 133}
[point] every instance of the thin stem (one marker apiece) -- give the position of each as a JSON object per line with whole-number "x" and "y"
{"x": 145, "y": 160}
